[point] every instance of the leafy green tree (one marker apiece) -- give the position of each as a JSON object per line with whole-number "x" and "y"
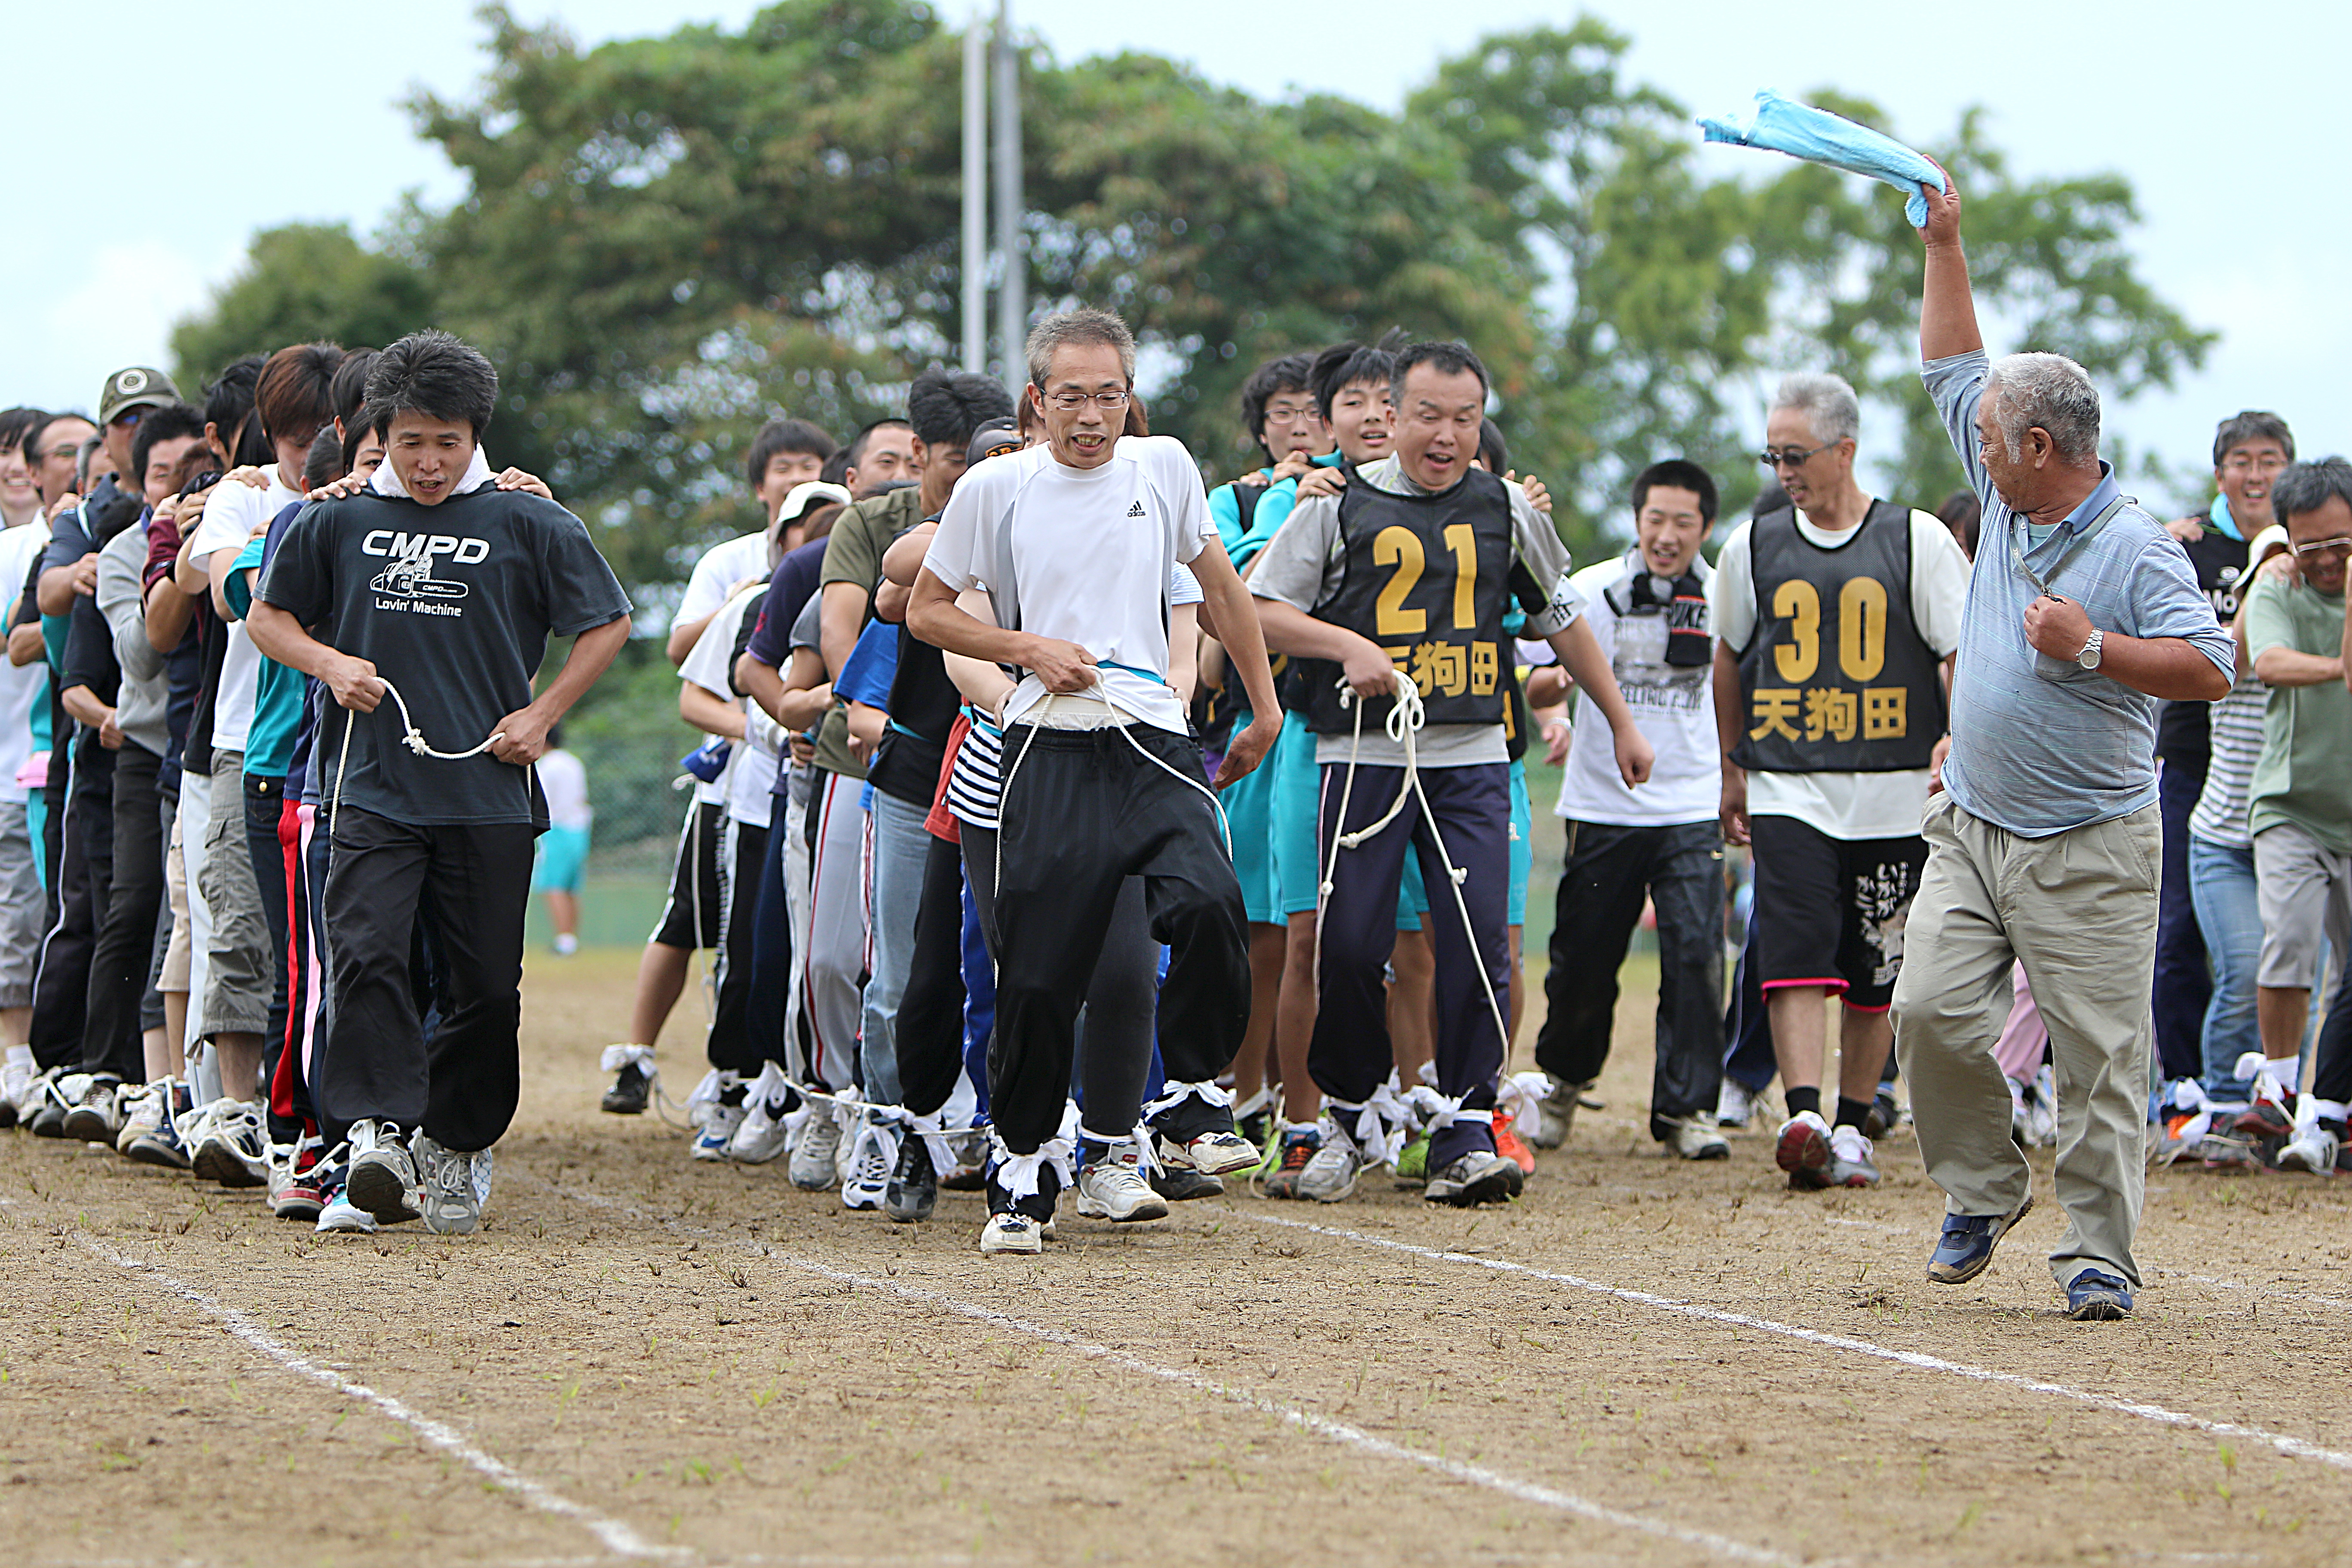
{"x": 304, "y": 283}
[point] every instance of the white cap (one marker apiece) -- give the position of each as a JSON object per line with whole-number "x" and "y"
{"x": 806, "y": 495}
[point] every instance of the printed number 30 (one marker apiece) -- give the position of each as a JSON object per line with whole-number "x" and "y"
{"x": 1861, "y": 629}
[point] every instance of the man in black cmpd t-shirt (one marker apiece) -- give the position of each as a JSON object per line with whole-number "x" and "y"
{"x": 430, "y": 597}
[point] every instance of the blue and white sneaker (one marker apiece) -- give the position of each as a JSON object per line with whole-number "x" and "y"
{"x": 1965, "y": 1248}
{"x": 341, "y": 1214}
{"x": 2095, "y": 1296}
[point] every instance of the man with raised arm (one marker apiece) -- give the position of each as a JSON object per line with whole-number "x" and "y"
{"x": 2045, "y": 844}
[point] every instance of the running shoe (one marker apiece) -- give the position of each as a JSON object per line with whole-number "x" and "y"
{"x": 1691, "y": 1137}
{"x": 143, "y": 1112}
{"x": 1477, "y": 1177}
{"x": 1217, "y": 1154}
{"x": 339, "y": 1216}
{"x": 234, "y": 1148}
{"x": 94, "y": 1117}
{"x": 873, "y": 1155}
{"x": 2227, "y": 1154}
{"x": 2042, "y": 1108}
{"x": 2313, "y": 1150}
{"x": 1735, "y": 1104}
{"x": 161, "y": 1144}
{"x": 632, "y": 1081}
{"x": 1885, "y": 1116}
{"x": 1412, "y": 1161}
{"x": 382, "y": 1178}
{"x": 1850, "y": 1161}
{"x": 296, "y": 1183}
{"x": 2093, "y": 1297}
{"x": 971, "y": 1173}
{"x": 1112, "y": 1187}
{"x": 17, "y": 1074}
{"x": 717, "y": 1119}
{"x": 2178, "y": 1138}
{"x": 446, "y": 1192}
{"x": 762, "y": 1136}
{"x": 1011, "y": 1234}
{"x": 816, "y": 1152}
{"x": 1332, "y": 1171}
{"x": 1555, "y": 1116}
{"x": 1254, "y": 1121}
{"x": 914, "y": 1188}
{"x": 57, "y": 1093}
{"x": 1802, "y": 1148}
{"x": 2271, "y": 1116}
{"x": 1964, "y": 1250}
{"x": 1293, "y": 1155}
{"x": 1182, "y": 1187}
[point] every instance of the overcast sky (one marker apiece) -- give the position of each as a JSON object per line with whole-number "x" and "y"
{"x": 2229, "y": 133}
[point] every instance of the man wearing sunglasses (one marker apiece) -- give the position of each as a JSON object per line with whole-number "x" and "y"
{"x": 2299, "y": 808}
{"x": 1837, "y": 615}
{"x": 2046, "y": 843}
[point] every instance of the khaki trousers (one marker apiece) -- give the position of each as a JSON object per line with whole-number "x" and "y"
{"x": 2078, "y": 910}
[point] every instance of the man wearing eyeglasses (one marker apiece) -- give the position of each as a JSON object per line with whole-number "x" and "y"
{"x": 2299, "y": 808}
{"x": 1837, "y": 615}
{"x": 2251, "y": 450}
{"x": 2045, "y": 845}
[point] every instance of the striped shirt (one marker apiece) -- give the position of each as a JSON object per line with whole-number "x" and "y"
{"x": 2221, "y": 814}
{"x": 976, "y": 783}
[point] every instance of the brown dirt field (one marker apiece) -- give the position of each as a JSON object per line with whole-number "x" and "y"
{"x": 703, "y": 1363}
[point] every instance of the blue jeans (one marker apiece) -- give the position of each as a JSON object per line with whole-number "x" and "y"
{"x": 894, "y": 892}
{"x": 2230, "y": 914}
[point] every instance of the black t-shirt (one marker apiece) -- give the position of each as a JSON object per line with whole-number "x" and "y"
{"x": 453, "y": 605}
{"x": 923, "y": 704}
{"x": 2184, "y": 731}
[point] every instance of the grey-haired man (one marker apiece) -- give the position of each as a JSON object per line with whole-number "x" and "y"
{"x": 2045, "y": 846}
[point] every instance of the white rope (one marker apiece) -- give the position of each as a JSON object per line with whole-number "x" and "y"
{"x": 1404, "y": 723}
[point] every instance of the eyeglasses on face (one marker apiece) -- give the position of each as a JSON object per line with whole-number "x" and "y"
{"x": 1791, "y": 456}
{"x": 2338, "y": 546}
{"x": 2268, "y": 463}
{"x": 1071, "y": 402}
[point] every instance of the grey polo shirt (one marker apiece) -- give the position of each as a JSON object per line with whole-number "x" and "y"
{"x": 2039, "y": 744}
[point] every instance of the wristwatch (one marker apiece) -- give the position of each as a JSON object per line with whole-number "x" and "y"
{"x": 2089, "y": 657}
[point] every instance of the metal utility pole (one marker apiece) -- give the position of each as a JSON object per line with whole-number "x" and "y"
{"x": 1013, "y": 288}
{"x": 975, "y": 195}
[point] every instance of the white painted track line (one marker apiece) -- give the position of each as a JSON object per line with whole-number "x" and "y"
{"x": 2295, "y": 1448}
{"x": 1303, "y": 1420}
{"x": 618, "y": 1538}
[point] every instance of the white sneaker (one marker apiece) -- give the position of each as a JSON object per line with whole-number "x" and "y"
{"x": 1113, "y": 1188}
{"x": 342, "y": 1217}
{"x": 382, "y": 1179}
{"x": 18, "y": 1073}
{"x": 2042, "y": 1110}
{"x": 1852, "y": 1163}
{"x": 719, "y": 1123}
{"x": 2313, "y": 1150}
{"x": 762, "y": 1136}
{"x": 445, "y": 1188}
{"x": 1331, "y": 1174}
{"x": 873, "y": 1155}
{"x": 1734, "y": 1106}
{"x": 1695, "y": 1138}
{"x": 816, "y": 1154}
{"x": 1011, "y": 1234}
{"x": 234, "y": 1148}
{"x": 143, "y": 1114}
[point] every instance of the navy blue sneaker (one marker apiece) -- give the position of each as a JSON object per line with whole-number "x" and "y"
{"x": 1966, "y": 1246}
{"x": 2093, "y": 1296}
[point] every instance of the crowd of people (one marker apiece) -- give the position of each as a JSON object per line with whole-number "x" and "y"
{"x": 1065, "y": 825}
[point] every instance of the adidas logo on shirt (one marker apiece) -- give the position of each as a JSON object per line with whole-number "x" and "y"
{"x": 1135, "y": 511}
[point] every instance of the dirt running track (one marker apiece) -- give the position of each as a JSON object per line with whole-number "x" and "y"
{"x": 1640, "y": 1363}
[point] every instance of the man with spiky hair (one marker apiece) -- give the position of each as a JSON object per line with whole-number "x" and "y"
{"x": 437, "y": 590}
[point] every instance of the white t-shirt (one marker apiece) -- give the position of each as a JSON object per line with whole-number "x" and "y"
{"x": 1083, "y": 555}
{"x": 564, "y": 779}
{"x": 749, "y": 782}
{"x": 1673, "y": 706}
{"x": 714, "y": 576}
{"x": 20, "y": 686}
{"x": 1848, "y": 805}
{"x": 230, "y": 518}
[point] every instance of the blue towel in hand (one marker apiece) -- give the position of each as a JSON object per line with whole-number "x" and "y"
{"x": 1780, "y": 125}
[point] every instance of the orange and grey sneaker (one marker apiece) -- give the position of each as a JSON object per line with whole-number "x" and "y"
{"x": 1298, "y": 1145}
{"x": 1511, "y": 1146}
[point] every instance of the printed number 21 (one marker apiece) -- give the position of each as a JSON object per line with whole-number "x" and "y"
{"x": 1400, "y": 547}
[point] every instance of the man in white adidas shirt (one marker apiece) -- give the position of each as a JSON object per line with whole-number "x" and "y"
{"x": 1075, "y": 540}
